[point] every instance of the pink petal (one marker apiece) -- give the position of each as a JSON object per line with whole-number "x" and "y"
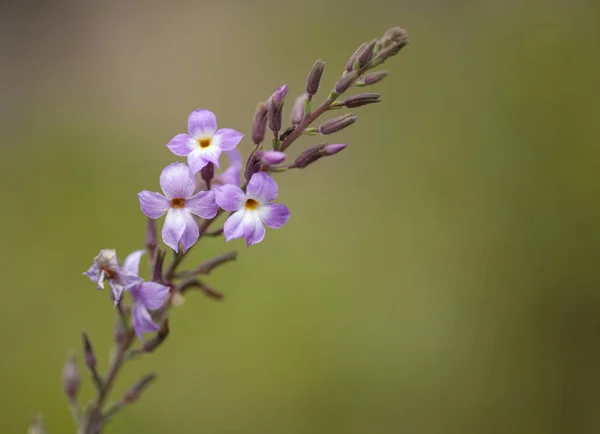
{"x": 132, "y": 262}
{"x": 174, "y": 227}
{"x": 233, "y": 227}
{"x": 153, "y": 204}
{"x": 202, "y": 124}
{"x": 202, "y": 204}
{"x": 230, "y": 197}
{"x": 262, "y": 188}
{"x": 151, "y": 294}
{"x": 142, "y": 321}
{"x": 177, "y": 181}
{"x": 227, "y": 139}
{"x": 182, "y": 144}
{"x": 274, "y": 215}
{"x": 191, "y": 233}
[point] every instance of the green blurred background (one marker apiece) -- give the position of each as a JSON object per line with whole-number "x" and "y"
{"x": 439, "y": 276}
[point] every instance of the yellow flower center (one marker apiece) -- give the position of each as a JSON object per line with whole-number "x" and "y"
{"x": 251, "y": 204}
{"x": 177, "y": 203}
{"x": 204, "y": 143}
{"x": 109, "y": 273}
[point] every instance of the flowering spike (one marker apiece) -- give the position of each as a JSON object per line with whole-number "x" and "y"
{"x": 298, "y": 111}
{"x": 134, "y": 393}
{"x": 337, "y": 124}
{"x": 314, "y": 78}
{"x": 374, "y": 77}
{"x": 71, "y": 379}
{"x": 260, "y": 123}
{"x": 361, "y": 99}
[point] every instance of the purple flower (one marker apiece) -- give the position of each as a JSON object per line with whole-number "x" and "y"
{"x": 204, "y": 143}
{"x": 106, "y": 267}
{"x": 178, "y": 183}
{"x": 146, "y": 296}
{"x": 252, "y": 209}
{"x": 280, "y": 94}
{"x": 231, "y": 175}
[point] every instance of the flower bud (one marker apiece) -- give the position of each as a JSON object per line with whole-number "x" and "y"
{"x": 352, "y": 60}
{"x": 259, "y": 123}
{"x": 157, "y": 265}
{"x": 361, "y": 99}
{"x": 151, "y": 240}
{"x": 314, "y": 78}
{"x": 345, "y": 82}
{"x": 252, "y": 165}
{"x": 334, "y": 148}
{"x": 365, "y": 55}
{"x": 309, "y": 156}
{"x": 71, "y": 379}
{"x": 275, "y": 115}
{"x": 374, "y": 77}
{"x": 298, "y": 110}
{"x": 279, "y": 94}
{"x": 392, "y": 42}
{"x": 88, "y": 351}
{"x": 134, "y": 393}
{"x": 207, "y": 173}
{"x": 271, "y": 157}
{"x": 337, "y": 124}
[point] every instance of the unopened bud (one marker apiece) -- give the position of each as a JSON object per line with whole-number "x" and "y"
{"x": 275, "y": 115}
{"x": 365, "y": 55}
{"x": 299, "y": 109}
{"x": 314, "y": 78}
{"x": 352, "y": 60}
{"x": 345, "y": 82}
{"x": 157, "y": 265}
{"x": 151, "y": 240}
{"x": 337, "y": 124}
{"x": 71, "y": 379}
{"x": 208, "y": 172}
{"x": 334, "y": 148}
{"x": 271, "y": 157}
{"x": 309, "y": 156}
{"x": 375, "y": 77}
{"x": 160, "y": 336}
{"x": 279, "y": 94}
{"x": 361, "y": 99}
{"x": 134, "y": 393}
{"x": 392, "y": 42}
{"x": 259, "y": 124}
{"x": 252, "y": 165}
{"x": 88, "y": 351}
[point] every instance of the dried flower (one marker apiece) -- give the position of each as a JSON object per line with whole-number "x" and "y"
{"x": 106, "y": 267}
{"x": 178, "y": 183}
{"x": 204, "y": 143}
{"x": 252, "y": 209}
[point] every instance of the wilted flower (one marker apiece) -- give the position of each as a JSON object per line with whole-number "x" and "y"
{"x": 146, "y": 296}
{"x": 106, "y": 267}
{"x": 203, "y": 143}
{"x": 251, "y": 209}
{"x": 178, "y": 183}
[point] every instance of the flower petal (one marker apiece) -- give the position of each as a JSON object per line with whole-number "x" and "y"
{"x": 182, "y": 144}
{"x": 132, "y": 262}
{"x": 233, "y": 227}
{"x": 173, "y": 228}
{"x": 262, "y": 188}
{"x": 117, "y": 290}
{"x": 230, "y": 197}
{"x": 200, "y": 157}
{"x": 235, "y": 159}
{"x": 274, "y": 215}
{"x": 202, "y": 204}
{"x": 202, "y": 124}
{"x": 254, "y": 231}
{"x": 227, "y": 139}
{"x": 153, "y": 204}
{"x": 142, "y": 321}
{"x": 177, "y": 181}
{"x": 191, "y": 233}
{"x": 151, "y": 294}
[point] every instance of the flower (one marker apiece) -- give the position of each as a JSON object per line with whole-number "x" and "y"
{"x": 106, "y": 267}
{"x": 178, "y": 183}
{"x": 146, "y": 296}
{"x": 231, "y": 175}
{"x": 204, "y": 143}
{"x": 251, "y": 209}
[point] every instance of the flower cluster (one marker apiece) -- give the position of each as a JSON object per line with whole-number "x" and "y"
{"x": 193, "y": 198}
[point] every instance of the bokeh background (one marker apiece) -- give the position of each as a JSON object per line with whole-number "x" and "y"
{"x": 441, "y": 275}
